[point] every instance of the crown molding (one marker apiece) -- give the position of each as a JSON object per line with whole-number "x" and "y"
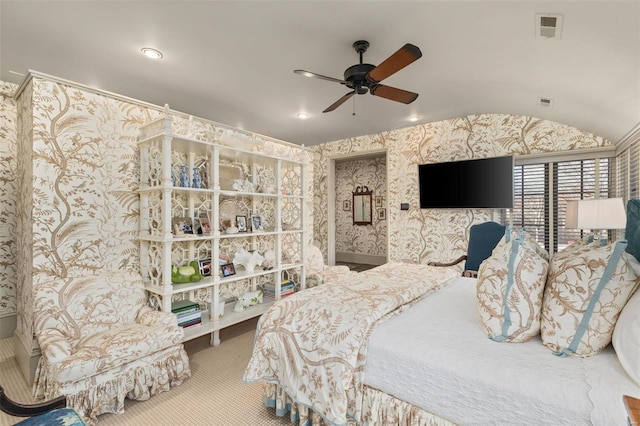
{"x": 629, "y": 139}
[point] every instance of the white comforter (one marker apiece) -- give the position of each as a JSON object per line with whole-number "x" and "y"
{"x": 437, "y": 357}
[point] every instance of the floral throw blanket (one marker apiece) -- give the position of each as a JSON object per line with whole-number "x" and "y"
{"x": 313, "y": 344}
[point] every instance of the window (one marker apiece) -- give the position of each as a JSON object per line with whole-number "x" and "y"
{"x": 541, "y": 192}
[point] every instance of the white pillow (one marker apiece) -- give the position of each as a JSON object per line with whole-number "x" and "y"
{"x": 626, "y": 337}
{"x": 583, "y": 297}
{"x": 509, "y": 291}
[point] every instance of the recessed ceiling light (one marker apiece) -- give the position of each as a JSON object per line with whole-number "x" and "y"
{"x": 151, "y": 53}
{"x": 413, "y": 118}
{"x": 302, "y": 115}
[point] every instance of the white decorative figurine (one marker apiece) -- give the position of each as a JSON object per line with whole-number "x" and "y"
{"x": 248, "y": 299}
{"x": 248, "y": 259}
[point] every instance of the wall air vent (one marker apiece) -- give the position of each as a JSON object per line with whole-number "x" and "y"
{"x": 548, "y": 25}
{"x": 545, "y": 102}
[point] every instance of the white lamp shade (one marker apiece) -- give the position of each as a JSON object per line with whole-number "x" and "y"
{"x": 604, "y": 213}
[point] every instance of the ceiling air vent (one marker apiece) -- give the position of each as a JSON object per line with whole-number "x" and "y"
{"x": 545, "y": 102}
{"x": 548, "y": 25}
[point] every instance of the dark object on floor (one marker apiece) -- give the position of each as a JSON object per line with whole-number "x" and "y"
{"x": 27, "y": 410}
{"x": 356, "y": 267}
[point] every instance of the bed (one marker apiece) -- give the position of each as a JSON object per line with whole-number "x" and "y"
{"x": 423, "y": 360}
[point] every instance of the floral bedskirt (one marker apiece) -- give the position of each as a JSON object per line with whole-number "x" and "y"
{"x": 378, "y": 409}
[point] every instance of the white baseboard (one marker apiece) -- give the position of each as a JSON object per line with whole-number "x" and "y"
{"x": 367, "y": 259}
{"x": 27, "y": 360}
{"x": 8, "y": 324}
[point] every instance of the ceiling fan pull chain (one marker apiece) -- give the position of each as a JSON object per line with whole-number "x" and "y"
{"x": 354, "y": 106}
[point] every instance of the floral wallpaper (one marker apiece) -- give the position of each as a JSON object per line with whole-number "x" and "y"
{"x": 361, "y": 239}
{"x": 79, "y": 162}
{"x": 424, "y": 235}
{"x": 78, "y": 170}
{"x": 8, "y": 198}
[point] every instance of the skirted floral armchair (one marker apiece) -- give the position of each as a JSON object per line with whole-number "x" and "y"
{"x": 101, "y": 343}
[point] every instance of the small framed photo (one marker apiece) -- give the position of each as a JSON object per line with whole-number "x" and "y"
{"x": 382, "y": 214}
{"x": 204, "y": 267}
{"x": 378, "y": 200}
{"x": 205, "y": 225}
{"x": 241, "y": 223}
{"x": 197, "y": 228}
{"x": 257, "y": 224}
{"x": 346, "y": 205}
{"x": 182, "y": 225}
{"x": 228, "y": 269}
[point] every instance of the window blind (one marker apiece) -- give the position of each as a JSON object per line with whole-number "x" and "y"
{"x": 538, "y": 187}
{"x": 627, "y": 177}
{"x": 530, "y": 207}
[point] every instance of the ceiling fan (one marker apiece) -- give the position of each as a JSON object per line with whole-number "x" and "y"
{"x": 363, "y": 78}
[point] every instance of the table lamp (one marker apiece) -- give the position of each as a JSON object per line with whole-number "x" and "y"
{"x": 600, "y": 214}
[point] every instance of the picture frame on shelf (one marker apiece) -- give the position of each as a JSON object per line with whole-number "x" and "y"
{"x": 241, "y": 223}
{"x": 205, "y": 225}
{"x": 182, "y": 225}
{"x": 228, "y": 269}
{"x": 378, "y": 200}
{"x": 197, "y": 227}
{"x": 346, "y": 205}
{"x": 382, "y": 214}
{"x": 257, "y": 223}
{"x": 204, "y": 267}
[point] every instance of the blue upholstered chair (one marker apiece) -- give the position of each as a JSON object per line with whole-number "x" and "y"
{"x": 483, "y": 238}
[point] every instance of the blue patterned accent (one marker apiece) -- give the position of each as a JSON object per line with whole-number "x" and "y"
{"x": 60, "y": 417}
{"x": 586, "y": 317}
{"x": 506, "y": 323}
{"x": 483, "y": 238}
{"x": 632, "y": 231}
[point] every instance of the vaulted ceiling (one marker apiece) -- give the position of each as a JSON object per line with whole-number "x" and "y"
{"x": 232, "y": 62}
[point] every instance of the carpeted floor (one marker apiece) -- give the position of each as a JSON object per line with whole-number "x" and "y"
{"x": 214, "y": 395}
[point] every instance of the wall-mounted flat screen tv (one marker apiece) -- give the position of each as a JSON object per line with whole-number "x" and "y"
{"x": 469, "y": 184}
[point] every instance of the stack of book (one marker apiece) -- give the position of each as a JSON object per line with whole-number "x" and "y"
{"x": 188, "y": 313}
{"x": 286, "y": 289}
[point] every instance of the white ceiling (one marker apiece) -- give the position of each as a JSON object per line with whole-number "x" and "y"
{"x": 232, "y": 62}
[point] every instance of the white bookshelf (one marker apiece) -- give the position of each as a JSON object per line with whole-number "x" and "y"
{"x": 272, "y": 187}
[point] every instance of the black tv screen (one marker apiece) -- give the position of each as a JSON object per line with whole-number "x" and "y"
{"x": 470, "y": 184}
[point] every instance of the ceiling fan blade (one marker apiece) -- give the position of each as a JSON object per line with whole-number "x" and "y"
{"x": 394, "y": 63}
{"x": 322, "y": 77}
{"x": 393, "y": 93}
{"x": 339, "y": 102}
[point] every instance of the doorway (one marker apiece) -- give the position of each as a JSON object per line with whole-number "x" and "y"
{"x": 356, "y": 245}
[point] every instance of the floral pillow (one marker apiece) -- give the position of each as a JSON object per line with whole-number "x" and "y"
{"x": 583, "y": 297}
{"x": 509, "y": 291}
{"x": 511, "y": 233}
{"x": 578, "y": 245}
